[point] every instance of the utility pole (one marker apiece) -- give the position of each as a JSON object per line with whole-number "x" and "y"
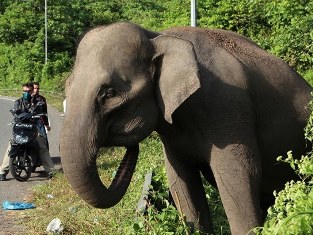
{"x": 193, "y": 13}
{"x": 46, "y": 33}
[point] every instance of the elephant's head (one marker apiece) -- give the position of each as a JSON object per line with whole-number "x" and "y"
{"x": 124, "y": 77}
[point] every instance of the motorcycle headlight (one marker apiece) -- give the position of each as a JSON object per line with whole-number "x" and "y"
{"x": 19, "y": 139}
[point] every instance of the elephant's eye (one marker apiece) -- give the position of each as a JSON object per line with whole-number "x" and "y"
{"x": 108, "y": 93}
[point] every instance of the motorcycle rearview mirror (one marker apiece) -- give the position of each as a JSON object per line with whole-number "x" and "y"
{"x": 13, "y": 111}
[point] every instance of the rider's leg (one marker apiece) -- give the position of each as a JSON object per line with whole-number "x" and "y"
{"x": 44, "y": 155}
{"x": 4, "y": 168}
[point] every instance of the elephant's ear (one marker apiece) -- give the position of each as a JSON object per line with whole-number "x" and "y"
{"x": 176, "y": 71}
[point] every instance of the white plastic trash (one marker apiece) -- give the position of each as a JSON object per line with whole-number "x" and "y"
{"x": 55, "y": 226}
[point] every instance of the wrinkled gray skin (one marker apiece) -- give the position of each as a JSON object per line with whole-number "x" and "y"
{"x": 222, "y": 106}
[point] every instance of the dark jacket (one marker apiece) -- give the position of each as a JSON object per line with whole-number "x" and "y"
{"x": 21, "y": 105}
{"x": 44, "y": 110}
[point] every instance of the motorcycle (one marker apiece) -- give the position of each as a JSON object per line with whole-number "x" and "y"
{"x": 23, "y": 157}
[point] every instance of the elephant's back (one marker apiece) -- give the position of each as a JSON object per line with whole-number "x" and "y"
{"x": 278, "y": 94}
{"x": 238, "y": 61}
{"x": 241, "y": 47}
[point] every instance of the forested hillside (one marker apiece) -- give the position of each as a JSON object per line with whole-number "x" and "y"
{"x": 283, "y": 27}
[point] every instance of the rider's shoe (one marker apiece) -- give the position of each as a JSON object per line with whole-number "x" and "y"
{"x": 3, "y": 177}
{"x": 50, "y": 175}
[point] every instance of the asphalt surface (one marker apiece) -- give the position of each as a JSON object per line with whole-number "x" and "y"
{"x": 13, "y": 190}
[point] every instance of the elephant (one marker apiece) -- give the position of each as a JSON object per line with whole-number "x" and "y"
{"x": 224, "y": 109}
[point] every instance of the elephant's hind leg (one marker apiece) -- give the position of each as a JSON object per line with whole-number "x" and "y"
{"x": 188, "y": 193}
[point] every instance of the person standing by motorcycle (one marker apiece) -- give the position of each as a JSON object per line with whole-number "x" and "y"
{"x": 26, "y": 104}
{"x": 44, "y": 125}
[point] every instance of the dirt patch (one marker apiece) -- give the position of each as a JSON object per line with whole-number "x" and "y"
{"x": 11, "y": 222}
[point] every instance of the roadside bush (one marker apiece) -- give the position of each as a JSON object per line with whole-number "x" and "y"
{"x": 243, "y": 16}
{"x": 19, "y": 63}
{"x": 291, "y": 37}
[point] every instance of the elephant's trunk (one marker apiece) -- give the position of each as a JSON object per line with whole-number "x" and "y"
{"x": 81, "y": 172}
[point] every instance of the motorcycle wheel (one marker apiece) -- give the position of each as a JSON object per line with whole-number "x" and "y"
{"x": 21, "y": 167}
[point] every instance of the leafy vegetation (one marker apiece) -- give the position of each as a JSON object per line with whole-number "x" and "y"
{"x": 283, "y": 27}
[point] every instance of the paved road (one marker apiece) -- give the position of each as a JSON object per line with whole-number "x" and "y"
{"x": 11, "y": 189}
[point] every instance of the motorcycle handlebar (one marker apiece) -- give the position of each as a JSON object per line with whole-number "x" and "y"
{"x": 37, "y": 116}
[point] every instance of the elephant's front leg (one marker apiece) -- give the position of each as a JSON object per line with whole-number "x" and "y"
{"x": 237, "y": 172}
{"x": 188, "y": 192}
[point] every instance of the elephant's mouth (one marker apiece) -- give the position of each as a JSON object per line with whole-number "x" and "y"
{"x": 123, "y": 140}
{"x": 127, "y": 137}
